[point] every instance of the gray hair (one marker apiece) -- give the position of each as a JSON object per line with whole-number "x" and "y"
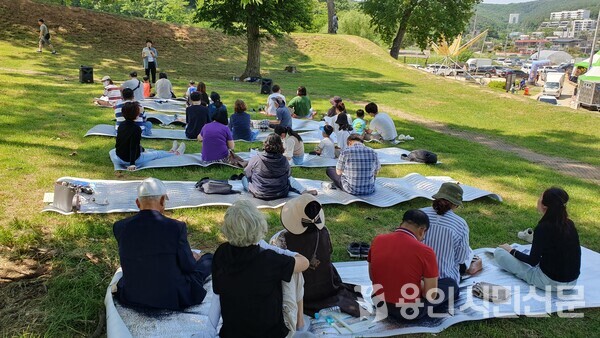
{"x": 243, "y": 224}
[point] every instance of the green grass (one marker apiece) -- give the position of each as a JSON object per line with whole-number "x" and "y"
{"x": 46, "y": 112}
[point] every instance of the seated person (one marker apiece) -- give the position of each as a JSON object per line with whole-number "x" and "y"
{"x": 259, "y": 291}
{"x": 147, "y": 87}
{"x": 304, "y": 222}
{"x": 240, "y": 123}
{"x": 216, "y": 138}
{"x": 293, "y": 144}
{"x": 196, "y": 116}
{"x": 111, "y": 95}
{"x": 134, "y": 84}
{"x": 326, "y": 148}
{"x": 191, "y": 88}
{"x": 164, "y": 88}
{"x": 160, "y": 271}
{"x": 448, "y": 233}
{"x": 283, "y": 115}
{"x": 129, "y": 135}
{"x": 400, "y": 261}
{"x": 201, "y": 88}
{"x": 356, "y": 168}
{"x": 268, "y": 175}
{"x": 343, "y": 127}
{"x": 216, "y": 106}
{"x": 141, "y": 121}
{"x": 554, "y": 260}
{"x": 334, "y": 102}
{"x": 301, "y": 105}
{"x": 382, "y": 126}
{"x": 271, "y": 108}
{"x": 359, "y": 125}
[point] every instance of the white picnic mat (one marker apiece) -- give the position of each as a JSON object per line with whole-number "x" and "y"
{"x": 124, "y": 322}
{"x": 119, "y": 196}
{"x": 308, "y": 137}
{"x": 387, "y": 156}
{"x": 297, "y": 124}
{"x": 164, "y": 106}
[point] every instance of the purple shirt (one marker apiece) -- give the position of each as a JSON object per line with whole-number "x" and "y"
{"x": 214, "y": 141}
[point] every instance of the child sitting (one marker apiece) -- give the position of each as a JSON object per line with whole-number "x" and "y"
{"x": 326, "y": 148}
{"x": 359, "y": 125}
{"x": 147, "y": 87}
{"x": 191, "y": 89}
{"x": 129, "y": 135}
{"x": 344, "y": 129}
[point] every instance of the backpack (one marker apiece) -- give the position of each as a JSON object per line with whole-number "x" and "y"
{"x": 421, "y": 156}
{"x": 217, "y": 187}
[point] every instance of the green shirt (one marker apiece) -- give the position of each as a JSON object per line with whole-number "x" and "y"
{"x": 301, "y": 105}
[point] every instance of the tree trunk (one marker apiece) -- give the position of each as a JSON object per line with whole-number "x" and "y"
{"x": 253, "y": 37}
{"x": 330, "y": 13}
{"x": 395, "y": 50}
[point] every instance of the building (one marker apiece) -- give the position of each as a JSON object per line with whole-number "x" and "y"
{"x": 563, "y": 44}
{"x": 585, "y": 25}
{"x": 528, "y": 46}
{"x": 580, "y": 14}
{"x": 513, "y": 19}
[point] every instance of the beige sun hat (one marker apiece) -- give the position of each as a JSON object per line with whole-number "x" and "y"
{"x": 105, "y": 78}
{"x": 301, "y": 212}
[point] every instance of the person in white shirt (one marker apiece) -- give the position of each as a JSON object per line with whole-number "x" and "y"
{"x": 149, "y": 55}
{"x": 326, "y": 149}
{"x": 164, "y": 88}
{"x": 382, "y": 126}
{"x": 135, "y": 85}
{"x": 112, "y": 93}
{"x": 271, "y": 108}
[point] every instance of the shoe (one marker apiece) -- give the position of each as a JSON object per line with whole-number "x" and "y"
{"x": 39, "y": 51}
{"x": 526, "y": 235}
{"x": 364, "y": 250}
{"x": 54, "y": 52}
{"x": 354, "y": 250}
{"x": 181, "y": 149}
{"x": 174, "y": 147}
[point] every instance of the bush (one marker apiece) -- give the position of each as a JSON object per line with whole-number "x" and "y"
{"x": 497, "y": 85}
{"x": 354, "y": 22}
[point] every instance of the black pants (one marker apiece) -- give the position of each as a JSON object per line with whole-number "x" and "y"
{"x": 337, "y": 179}
{"x": 151, "y": 68}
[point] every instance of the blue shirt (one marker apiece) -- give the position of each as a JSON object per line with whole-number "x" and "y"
{"x": 358, "y": 164}
{"x": 212, "y": 111}
{"x": 448, "y": 236}
{"x": 239, "y": 123}
{"x": 284, "y": 117}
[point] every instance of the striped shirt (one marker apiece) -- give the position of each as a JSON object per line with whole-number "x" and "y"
{"x": 359, "y": 165}
{"x": 140, "y": 121}
{"x": 448, "y": 236}
{"x": 113, "y": 93}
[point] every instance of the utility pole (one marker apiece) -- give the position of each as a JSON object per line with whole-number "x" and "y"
{"x": 594, "y": 42}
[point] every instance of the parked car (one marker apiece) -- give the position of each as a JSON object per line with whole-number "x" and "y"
{"x": 548, "y": 99}
{"x": 450, "y": 70}
{"x": 487, "y": 71}
{"x": 519, "y": 73}
{"x": 432, "y": 67}
{"x": 507, "y": 62}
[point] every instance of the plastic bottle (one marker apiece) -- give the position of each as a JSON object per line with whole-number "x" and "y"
{"x": 327, "y": 314}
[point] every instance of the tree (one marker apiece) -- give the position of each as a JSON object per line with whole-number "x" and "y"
{"x": 249, "y": 17}
{"x": 330, "y": 13}
{"x": 424, "y": 20}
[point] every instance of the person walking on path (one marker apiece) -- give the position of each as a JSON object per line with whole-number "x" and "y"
{"x": 44, "y": 37}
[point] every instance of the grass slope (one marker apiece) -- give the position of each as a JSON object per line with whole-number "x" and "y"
{"x": 45, "y": 112}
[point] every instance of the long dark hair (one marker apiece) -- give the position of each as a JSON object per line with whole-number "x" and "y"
{"x": 441, "y": 206}
{"x": 342, "y": 121}
{"x": 555, "y": 200}
{"x": 287, "y": 130}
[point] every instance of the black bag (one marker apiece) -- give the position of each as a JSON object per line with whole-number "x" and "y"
{"x": 421, "y": 156}
{"x": 47, "y": 36}
{"x": 217, "y": 187}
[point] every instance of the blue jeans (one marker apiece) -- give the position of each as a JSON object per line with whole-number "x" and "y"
{"x": 298, "y": 160}
{"x": 533, "y": 275}
{"x": 147, "y": 156}
{"x": 148, "y": 130}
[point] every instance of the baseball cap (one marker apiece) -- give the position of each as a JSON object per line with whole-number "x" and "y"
{"x": 133, "y": 74}
{"x": 152, "y": 187}
{"x": 106, "y": 78}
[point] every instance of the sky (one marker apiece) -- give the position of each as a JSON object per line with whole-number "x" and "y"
{"x": 504, "y": 1}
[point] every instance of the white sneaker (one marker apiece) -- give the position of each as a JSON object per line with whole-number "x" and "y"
{"x": 409, "y": 138}
{"x": 526, "y": 235}
{"x": 174, "y": 147}
{"x": 181, "y": 149}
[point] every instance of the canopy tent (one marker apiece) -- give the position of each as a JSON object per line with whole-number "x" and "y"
{"x": 586, "y": 63}
{"x": 593, "y": 75}
{"x": 556, "y": 57}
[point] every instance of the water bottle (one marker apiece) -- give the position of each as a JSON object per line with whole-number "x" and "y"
{"x": 327, "y": 314}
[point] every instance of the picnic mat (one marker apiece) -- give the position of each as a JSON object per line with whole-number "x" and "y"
{"x": 387, "y": 156}
{"x": 308, "y": 137}
{"x": 119, "y": 196}
{"x": 124, "y": 322}
{"x": 297, "y": 124}
{"x": 164, "y": 106}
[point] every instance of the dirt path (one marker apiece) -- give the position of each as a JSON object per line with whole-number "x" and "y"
{"x": 565, "y": 166}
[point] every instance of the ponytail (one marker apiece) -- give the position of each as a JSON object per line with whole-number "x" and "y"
{"x": 555, "y": 200}
{"x": 442, "y": 206}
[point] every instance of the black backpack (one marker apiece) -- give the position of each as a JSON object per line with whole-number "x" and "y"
{"x": 217, "y": 187}
{"x": 421, "y": 156}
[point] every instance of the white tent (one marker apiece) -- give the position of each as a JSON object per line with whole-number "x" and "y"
{"x": 556, "y": 57}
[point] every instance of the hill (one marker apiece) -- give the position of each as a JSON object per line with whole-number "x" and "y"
{"x": 532, "y": 13}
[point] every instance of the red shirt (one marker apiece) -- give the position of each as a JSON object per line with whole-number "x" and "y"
{"x": 399, "y": 259}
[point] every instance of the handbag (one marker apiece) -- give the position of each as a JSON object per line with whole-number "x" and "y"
{"x": 420, "y": 156}
{"x": 215, "y": 187}
{"x": 235, "y": 160}
{"x": 491, "y": 292}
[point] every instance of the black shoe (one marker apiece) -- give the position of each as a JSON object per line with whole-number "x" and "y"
{"x": 364, "y": 250}
{"x": 354, "y": 250}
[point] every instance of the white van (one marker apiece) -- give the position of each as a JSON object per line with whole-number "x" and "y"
{"x": 554, "y": 84}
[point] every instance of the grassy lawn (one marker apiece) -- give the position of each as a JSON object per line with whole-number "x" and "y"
{"x": 46, "y": 112}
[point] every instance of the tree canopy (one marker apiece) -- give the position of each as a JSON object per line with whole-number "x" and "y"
{"x": 423, "y": 20}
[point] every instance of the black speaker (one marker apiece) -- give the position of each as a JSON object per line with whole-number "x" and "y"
{"x": 266, "y": 86}
{"x": 86, "y": 74}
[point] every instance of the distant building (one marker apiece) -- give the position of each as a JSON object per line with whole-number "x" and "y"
{"x": 580, "y": 14}
{"x": 528, "y": 46}
{"x": 586, "y": 25}
{"x": 513, "y": 19}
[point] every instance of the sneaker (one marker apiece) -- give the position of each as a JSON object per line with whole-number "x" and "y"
{"x": 354, "y": 250}
{"x": 174, "y": 147}
{"x": 364, "y": 250}
{"x": 54, "y": 52}
{"x": 180, "y": 149}
{"x": 526, "y": 235}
